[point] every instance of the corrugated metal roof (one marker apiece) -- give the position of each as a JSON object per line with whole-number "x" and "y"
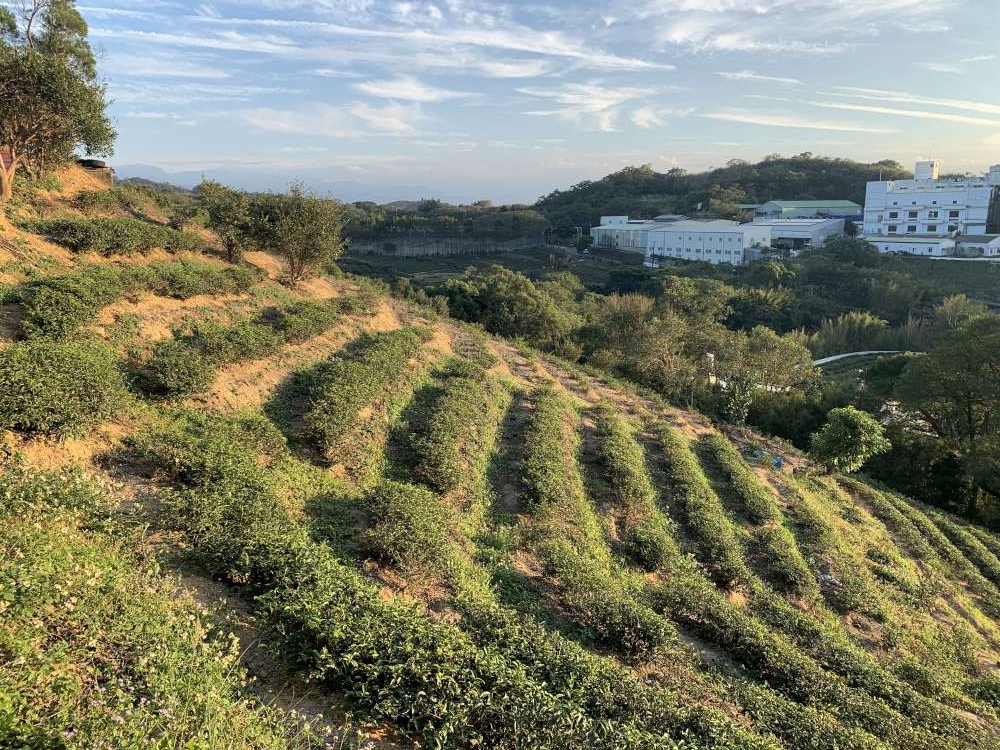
{"x": 815, "y": 204}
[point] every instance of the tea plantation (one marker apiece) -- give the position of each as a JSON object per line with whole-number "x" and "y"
{"x": 238, "y": 514}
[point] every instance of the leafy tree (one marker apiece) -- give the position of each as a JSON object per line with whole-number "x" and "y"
{"x": 956, "y": 389}
{"x": 228, "y": 214}
{"x": 298, "y": 227}
{"x": 848, "y": 439}
{"x": 746, "y": 362}
{"x": 50, "y": 100}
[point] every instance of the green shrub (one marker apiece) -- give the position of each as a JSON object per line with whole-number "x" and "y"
{"x": 353, "y": 379}
{"x": 453, "y": 440}
{"x": 99, "y": 649}
{"x": 302, "y": 321}
{"x": 177, "y": 369}
{"x": 718, "y": 545}
{"x": 783, "y": 564}
{"x": 409, "y": 526}
{"x": 60, "y": 388}
{"x": 97, "y": 201}
{"x": 241, "y": 342}
{"x": 647, "y": 531}
{"x": 55, "y": 307}
{"x": 116, "y": 236}
{"x": 756, "y": 498}
{"x": 427, "y": 677}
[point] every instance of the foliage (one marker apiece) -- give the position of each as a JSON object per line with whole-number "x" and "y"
{"x": 228, "y": 212}
{"x": 102, "y": 613}
{"x": 701, "y": 510}
{"x": 647, "y": 530}
{"x": 57, "y": 306}
{"x": 187, "y": 363}
{"x": 849, "y": 438}
{"x": 59, "y": 388}
{"x": 352, "y": 379}
{"x": 409, "y": 525}
{"x": 298, "y": 227}
{"x": 50, "y": 100}
{"x": 116, "y": 236}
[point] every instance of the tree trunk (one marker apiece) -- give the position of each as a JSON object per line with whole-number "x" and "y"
{"x": 7, "y": 182}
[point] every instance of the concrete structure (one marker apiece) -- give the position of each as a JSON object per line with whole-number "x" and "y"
{"x": 717, "y": 241}
{"x": 628, "y": 234}
{"x": 791, "y": 234}
{"x": 914, "y": 245}
{"x": 809, "y": 210}
{"x": 713, "y": 242}
{"x": 927, "y": 205}
{"x": 987, "y": 245}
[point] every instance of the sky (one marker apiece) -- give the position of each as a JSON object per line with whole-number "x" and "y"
{"x": 470, "y": 99}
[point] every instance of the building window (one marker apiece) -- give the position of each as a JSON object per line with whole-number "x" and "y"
{"x": 892, "y": 228}
{"x": 953, "y": 214}
{"x": 894, "y": 214}
{"x": 911, "y": 215}
{"x": 953, "y": 227}
{"x": 932, "y": 214}
{"x": 932, "y": 227}
{"x": 911, "y": 228}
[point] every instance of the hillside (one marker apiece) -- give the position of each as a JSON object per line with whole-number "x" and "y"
{"x": 642, "y": 193}
{"x": 238, "y": 514}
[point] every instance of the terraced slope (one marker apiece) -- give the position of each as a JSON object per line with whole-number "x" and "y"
{"x": 443, "y": 541}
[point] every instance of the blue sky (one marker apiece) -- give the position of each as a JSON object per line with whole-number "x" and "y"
{"x": 471, "y": 99}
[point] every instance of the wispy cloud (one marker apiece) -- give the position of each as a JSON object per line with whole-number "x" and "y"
{"x": 749, "y": 75}
{"x": 652, "y": 117}
{"x": 789, "y": 121}
{"x": 586, "y": 102}
{"x": 919, "y": 114}
{"x": 904, "y": 97}
{"x": 330, "y": 121}
{"x": 408, "y": 88}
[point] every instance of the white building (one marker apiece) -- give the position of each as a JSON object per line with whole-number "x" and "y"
{"x": 927, "y": 205}
{"x": 791, "y": 234}
{"x": 717, "y": 241}
{"x": 925, "y": 245}
{"x": 987, "y": 245}
{"x": 709, "y": 241}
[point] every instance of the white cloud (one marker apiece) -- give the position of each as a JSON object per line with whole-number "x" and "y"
{"x": 331, "y": 73}
{"x": 919, "y": 114}
{"x": 941, "y": 67}
{"x": 749, "y": 75}
{"x": 355, "y": 120}
{"x": 788, "y": 121}
{"x": 651, "y": 117}
{"x": 584, "y": 103}
{"x": 407, "y": 88}
{"x": 392, "y": 118}
{"x": 159, "y": 66}
{"x": 978, "y": 58}
{"x": 854, "y": 92}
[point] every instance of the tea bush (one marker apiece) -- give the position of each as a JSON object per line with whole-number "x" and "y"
{"x": 116, "y": 236}
{"x": 99, "y": 649}
{"x": 647, "y": 531}
{"x": 428, "y": 678}
{"x": 755, "y": 496}
{"x": 701, "y": 511}
{"x": 57, "y": 306}
{"x": 59, "y": 388}
{"x": 409, "y": 526}
{"x": 974, "y": 549}
{"x": 353, "y": 379}
{"x": 187, "y": 364}
{"x": 453, "y": 441}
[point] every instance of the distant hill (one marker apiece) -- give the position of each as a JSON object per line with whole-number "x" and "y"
{"x": 644, "y": 193}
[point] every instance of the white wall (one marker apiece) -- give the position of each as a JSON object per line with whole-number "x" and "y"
{"x": 710, "y": 245}
{"x": 926, "y": 207}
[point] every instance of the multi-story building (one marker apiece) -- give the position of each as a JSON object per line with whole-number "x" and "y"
{"x": 927, "y": 205}
{"x": 716, "y": 241}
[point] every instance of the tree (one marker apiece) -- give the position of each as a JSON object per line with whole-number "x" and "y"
{"x": 228, "y": 214}
{"x": 848, "y": 439}
{"x": 298, "y": 227}
{"x": 50, "y": 100}
{"x": 956, "y": 389}
{"x": 761, "y": 359}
